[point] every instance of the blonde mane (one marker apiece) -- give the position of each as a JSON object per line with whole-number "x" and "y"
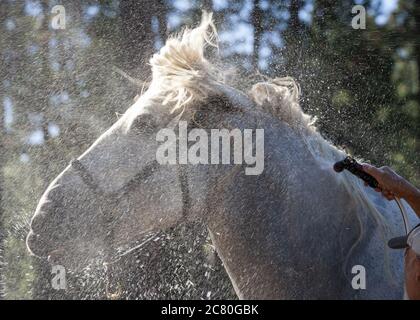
{"x": 182, "y": 76}
{"x": 180, "y": 69}
{"x": 280, "y": 97}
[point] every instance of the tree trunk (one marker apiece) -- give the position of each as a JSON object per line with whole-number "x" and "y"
{"x": 2, "y": 158}
{"x": 293, "y": 40}
{"x": 294, "y": 22}
{"x": 257, "y": 22}
{"x": 417, "y": 47}
{"x": 162, "y": 10}
{"x": 3, "y": 13}
{"x": 137, "y": 35}
{"x": 417, "y": 53}
{"x": 207, "y": 5}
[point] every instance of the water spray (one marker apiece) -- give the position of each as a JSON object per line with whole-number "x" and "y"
{"x": 356, "y": 168}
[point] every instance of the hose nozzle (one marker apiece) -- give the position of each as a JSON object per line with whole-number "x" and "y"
{"x": 339, "y": 166}
{"x": 356, "y": 168}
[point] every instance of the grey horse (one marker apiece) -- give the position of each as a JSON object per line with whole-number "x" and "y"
{"x": 297, "y": 230}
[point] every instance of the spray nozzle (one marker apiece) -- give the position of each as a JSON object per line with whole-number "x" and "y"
{"x": 356, "y": 168}
{"x": 339, "y": 166}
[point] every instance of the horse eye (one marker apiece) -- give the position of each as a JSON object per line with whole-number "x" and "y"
{"x": 144, "y": 123}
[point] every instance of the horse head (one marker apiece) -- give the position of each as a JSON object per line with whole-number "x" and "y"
{"x": 114, "y": 192}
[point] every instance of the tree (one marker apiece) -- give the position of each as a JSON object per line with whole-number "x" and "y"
{"x": 137, "y": 19}
{"x": 257, "y": 18}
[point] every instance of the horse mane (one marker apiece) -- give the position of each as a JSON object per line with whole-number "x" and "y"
{"x": 180, "y": 69}
{"x": 183, "y": 76}
{"x": 280, "y": 97}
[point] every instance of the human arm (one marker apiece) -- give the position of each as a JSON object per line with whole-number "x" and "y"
{"x": 393, "y": 185}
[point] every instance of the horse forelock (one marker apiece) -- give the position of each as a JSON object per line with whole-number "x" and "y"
{"x": 180, "y": 71}
{"x": 181, "y": 74}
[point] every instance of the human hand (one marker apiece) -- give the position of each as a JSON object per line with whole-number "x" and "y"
{"x": 390, "y": 183}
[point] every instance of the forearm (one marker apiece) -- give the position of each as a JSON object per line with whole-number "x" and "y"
{"x": 392, "y": 185}
{"x": 412, "y": 196}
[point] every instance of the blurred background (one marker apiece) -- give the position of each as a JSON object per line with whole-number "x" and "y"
{"x": 61, "y": 88}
